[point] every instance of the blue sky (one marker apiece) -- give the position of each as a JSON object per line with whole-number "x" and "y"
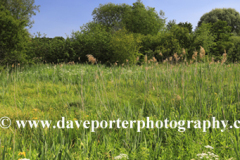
{"x": 61, "y": 17}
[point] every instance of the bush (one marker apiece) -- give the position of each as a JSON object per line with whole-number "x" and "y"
{"x": 203, "y": 37}
{"x": 92, "y": 39}
{"x": 125, "y": 46}
{"x": 234, "y": 51}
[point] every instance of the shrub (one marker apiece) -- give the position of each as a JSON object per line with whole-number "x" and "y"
{"x": 124, "y": 46}
{"x": 234, "y": 51}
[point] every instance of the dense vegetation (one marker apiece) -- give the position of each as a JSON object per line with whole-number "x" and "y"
{"x": 94, "y": 92}
{"x": 158, "y": 70}
{"x": 118, "y": 32}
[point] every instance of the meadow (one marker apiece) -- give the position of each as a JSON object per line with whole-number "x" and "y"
{"x": 197, "y": 91}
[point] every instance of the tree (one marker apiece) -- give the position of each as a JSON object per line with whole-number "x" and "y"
{"x": 136, "y": 18}
{"x": 21, "y": 9}
{"x": 125, "y": 47}
{"x": 110, "y": 14}
{"x": 230, "y": 15}
{"x": 234, "y": 51}
{"x": 13, "y": 38}
{"x": 203, "y": 37}
{"x": 170, "y": 24}
{"x": 222, "y": 34}
{"x": 186, "y": 25}
{"x": 143, "y": 20}
{"x": 93, "y": 39}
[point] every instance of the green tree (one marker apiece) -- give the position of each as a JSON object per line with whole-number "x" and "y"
{"x": 186, "y": 25}
{"x": 93, "y": 39}
{"x": 182, "y": 35}
{"x": 136, "y": 18}
{"x": 124, "y": 46}
{"x": 230, "y": 15}
{"x": 234, "y": 52}
{"x": 222, "y": 34}
{"x": 144, "y": 20}
{"x": 110, "y": 14}
{"x": 13, "y": 38}
{"x": 170, "y": 24}
{"x": 21, "y": 9}
{"x": 203, "y": 37}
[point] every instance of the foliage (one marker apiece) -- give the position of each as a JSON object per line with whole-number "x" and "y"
{"x": 95, "y": 92}
{"x": 22, "y": 10}
{"x": 136, "y": 18}
{"x": 124, "y": 46}
{"x": 93, "y": 39}
{"x": 186, "y": 25}
{"x": 222, "y": 34}
{"x": 203, "y": 37}
{"x": 143, "y": 20}
{"x": 170, "y": 24}
{"x": 110, "y": 14}
{"x": 182, "y": 35}
{"x": 230, "y": 15}
{"x": 169, "y": 44}
{"x": 13, "y": 38}
{"x": 234, "y": 51}
{"x": 149, "y": 45}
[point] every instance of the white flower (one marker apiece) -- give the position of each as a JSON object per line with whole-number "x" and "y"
{"x": 121, "y": 156}
{"x": 24, "y": 159}
{"x": 210, "y": 147}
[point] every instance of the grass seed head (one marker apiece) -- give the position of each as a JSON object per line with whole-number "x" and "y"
{"x": 145, "y": 59}
{"x": 183, "y": 51}
{"x": 91, "y": 59}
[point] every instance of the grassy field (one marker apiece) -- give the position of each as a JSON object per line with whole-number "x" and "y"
{"x": 198, "y": 91}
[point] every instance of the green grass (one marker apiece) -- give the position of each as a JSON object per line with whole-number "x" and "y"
{"x": 96, "y": 92}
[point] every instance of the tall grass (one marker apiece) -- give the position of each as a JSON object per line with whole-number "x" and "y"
{"x": 94, "y": 92}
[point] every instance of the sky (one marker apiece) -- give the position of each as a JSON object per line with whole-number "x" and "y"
{"x": 61, "y": 17}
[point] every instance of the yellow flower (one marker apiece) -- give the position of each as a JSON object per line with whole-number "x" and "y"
{"x": 35, "y": 109}
{"x": 87, "y": 115}
{"x": 22, "y": 154}
{"x": 35, "y": 118}
{"x": 74, "y": 119}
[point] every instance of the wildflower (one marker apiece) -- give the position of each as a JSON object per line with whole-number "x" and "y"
{"x": 121, "y": 156}
{"x": 24, "y": 159}
{"x": 210, "y": 147}
{"x": 161, "y": 54}
{"x": 22, "y": 153}
{"x": 35, "y": 109}
{"x": 35, "y": 118}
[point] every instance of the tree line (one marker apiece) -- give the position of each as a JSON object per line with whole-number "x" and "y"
{"x": 118, "y": 32}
